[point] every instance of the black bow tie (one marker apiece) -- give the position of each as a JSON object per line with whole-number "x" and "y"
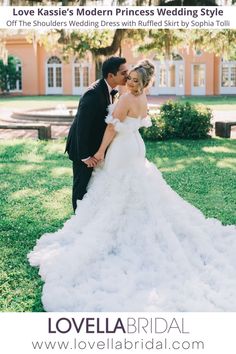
{"x": 113, "y": 93}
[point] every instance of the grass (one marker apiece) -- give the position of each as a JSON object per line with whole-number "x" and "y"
{"x": 217, "y": 103}
{"x": 34, "y": 102}
{"x": 202, "y": 172}
{"x": 35, "y": 198}
{"x": 36, "y": 192}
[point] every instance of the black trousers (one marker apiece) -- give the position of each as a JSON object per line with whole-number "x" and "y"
{"x": 81, "y": 177}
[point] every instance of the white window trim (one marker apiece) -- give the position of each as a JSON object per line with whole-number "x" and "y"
{"x": 53, "y": 90}
{"x": 227, "y": 90}
{"x": 81, "y": 65}
{"x": 176, "y": 90}
{"x": 201, "y": 91}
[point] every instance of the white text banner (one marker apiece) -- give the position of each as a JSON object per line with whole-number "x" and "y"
{"x": 112, "y": 17}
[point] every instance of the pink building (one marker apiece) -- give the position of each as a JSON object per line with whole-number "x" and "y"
{"x": 189, "y": 73}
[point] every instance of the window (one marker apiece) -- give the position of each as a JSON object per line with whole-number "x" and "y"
{"x": 77, "y": 76}
{"x": 163, "y": 82}
{"x": 58, "y": 77}
{"x": 50, "y": 77}
{"x": 228, "y": 74}
{"x": 54, "y": 60}
{"x": 54, "y": 75}
{"x": 198, "y": 52}
{"x": 81, "y": 73}
{"x": 85, "y": 76}
{"x": 233, "y": 75}
{"x": 181, "y": 76}
{"x": 198, "y": 75}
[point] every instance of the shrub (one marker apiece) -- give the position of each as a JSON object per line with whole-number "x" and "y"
{"x": 8, "y": 74}
{"x": 156, "y": 131}
{"x": 182, "y": 120}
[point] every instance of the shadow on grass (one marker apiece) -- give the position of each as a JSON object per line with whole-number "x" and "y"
{"x": 32, "y": 150}
{"x": 36, "y": 199}
{"x": 24, "y": 219}
{"x": 202, "y": 172}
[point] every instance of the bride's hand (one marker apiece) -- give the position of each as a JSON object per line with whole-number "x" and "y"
{"x": 99, "y": 156}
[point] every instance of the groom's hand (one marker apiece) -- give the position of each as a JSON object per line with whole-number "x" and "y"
{"x": 91, "y": 162}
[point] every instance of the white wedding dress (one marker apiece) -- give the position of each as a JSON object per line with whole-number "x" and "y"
{"x": 136, "y": 245}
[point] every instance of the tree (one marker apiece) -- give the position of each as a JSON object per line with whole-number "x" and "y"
{"x": 220, "y": 42}
{"x": 120, "y": 34}
{"x": 165, "y": 42}
{"x": 99, "y": 43}
{"x": 105, "y": 43}
{"x": 8, "y": 75}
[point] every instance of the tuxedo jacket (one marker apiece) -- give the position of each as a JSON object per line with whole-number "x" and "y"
{"x": 87, "y": 130}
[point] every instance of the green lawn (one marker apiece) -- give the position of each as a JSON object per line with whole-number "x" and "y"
{"x": 218, "y": 103}
{"x": 33, "y": 102}
{"x": 36, "y": 190}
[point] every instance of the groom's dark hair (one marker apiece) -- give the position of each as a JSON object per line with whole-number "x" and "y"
{"x": 111, "y": 65}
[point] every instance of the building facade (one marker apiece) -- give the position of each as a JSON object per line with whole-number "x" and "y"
{"x": 189, "y": 73}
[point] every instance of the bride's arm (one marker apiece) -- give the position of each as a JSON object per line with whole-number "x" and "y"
{"x": 120, "y": 113}
{"x": 106, "y": 140}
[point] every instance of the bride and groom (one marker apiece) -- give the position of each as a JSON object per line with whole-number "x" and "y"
{"x": 88, "y": 128}
{"x": 133, "y": 243}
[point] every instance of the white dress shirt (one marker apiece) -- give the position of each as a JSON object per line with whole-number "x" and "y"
{"x": 109, "y": 90}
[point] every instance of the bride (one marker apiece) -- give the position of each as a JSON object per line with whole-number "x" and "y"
{"x": 134, "y": 244}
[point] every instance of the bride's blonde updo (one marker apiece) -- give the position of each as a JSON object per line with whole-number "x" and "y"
{"x": 145, "y": 70}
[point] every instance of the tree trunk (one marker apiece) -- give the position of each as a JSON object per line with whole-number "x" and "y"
{"x": 114, "y": 47}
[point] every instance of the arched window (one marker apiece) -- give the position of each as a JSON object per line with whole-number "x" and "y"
{"x": 176, "y": 56}
{"x": 54, "y": 60}
{"x": 54, "y": 75}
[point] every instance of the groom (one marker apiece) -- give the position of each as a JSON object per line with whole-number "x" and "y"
{"x": 88, "y": 127}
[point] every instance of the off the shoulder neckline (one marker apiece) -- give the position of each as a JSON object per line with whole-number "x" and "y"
{"x": 136, "y": 117}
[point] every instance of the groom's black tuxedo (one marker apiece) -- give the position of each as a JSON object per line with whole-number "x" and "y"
{"x": 86, "y": 133}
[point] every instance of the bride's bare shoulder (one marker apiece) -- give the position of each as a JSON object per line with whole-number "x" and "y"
{"x": 124, "y": 99}
{"x": 124, "y": 96}
{"x": 122, "y": 107}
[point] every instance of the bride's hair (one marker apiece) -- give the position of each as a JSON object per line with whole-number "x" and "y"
{"x": 145, "y": 70}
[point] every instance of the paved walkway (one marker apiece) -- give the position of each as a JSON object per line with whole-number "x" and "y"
{"x": 62, "y": 130}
